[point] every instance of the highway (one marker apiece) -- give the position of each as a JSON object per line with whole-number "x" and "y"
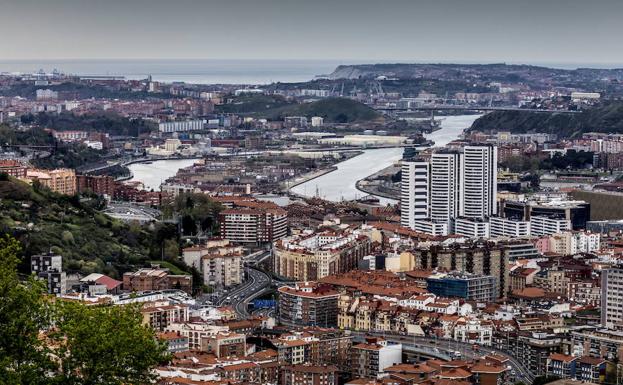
{"x": 256, "y": 284}
{"x": 447, "y": 346}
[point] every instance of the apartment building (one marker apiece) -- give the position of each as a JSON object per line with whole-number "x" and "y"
{"x": 309, "y": 257}
{"x": 308, "y": 304}
{"x": 254, "y": 225}
{"x": 149, "y": 279}
{"x": 370, "y": 359}
{"x": 62, "y": 181}
{"x": 612, "y": 298}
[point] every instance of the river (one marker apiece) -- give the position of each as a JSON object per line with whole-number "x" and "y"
{"x": 335, "y": 186}
{"x": 340, "y": 184}
{"x": 154, "y": 173}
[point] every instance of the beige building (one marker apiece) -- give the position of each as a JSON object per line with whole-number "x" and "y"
{"x": 553, "y": 281}
{"x": 222, "y": 270}
{"x": 62, "y": 180}
{"x": 218, "y": 260}
{"x": 314, "y": 256}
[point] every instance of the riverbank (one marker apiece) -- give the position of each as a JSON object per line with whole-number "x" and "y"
{"x": 373, "y": 184}
{"x": 375, "y": 190}
{"x": 342, "y": 184}
{"x": 307, "y": 177}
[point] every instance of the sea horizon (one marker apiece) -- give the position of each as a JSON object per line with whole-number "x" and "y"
{"x": 226, "y": 71}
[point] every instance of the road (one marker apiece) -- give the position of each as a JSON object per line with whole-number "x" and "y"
{"x": 450, "y": 346}
{"x": 239, "y": 298}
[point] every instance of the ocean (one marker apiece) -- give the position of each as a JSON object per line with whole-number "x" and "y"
{"x": 188, "y": 71}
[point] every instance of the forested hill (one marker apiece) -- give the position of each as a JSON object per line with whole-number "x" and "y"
{"x": 607, "y": 118}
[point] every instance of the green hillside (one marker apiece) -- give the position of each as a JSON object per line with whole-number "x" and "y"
{"x": 607, "y": 118}
{"x": 89, "y": 241}
{"x": 333, "y": 110}
{"x": 251, "y": 103}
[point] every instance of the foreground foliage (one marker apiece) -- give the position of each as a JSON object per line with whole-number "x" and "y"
{"x": 50, "y": 341}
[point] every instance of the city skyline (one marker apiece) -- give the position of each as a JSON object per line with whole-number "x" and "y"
{"x": 482, "y": 31}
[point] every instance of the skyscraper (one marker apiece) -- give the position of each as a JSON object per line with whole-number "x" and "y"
{"x": 444, "y": 186}
{"x": 479, "y": 181}
{"x": 414, "y": 191}
{"x": 452, "y": 184}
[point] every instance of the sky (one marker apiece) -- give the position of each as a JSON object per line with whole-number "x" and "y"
{"x": 476, "y": 31}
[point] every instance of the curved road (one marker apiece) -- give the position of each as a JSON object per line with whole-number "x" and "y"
{"x": 257, "y": 281}
{"x": 522, "y": 373}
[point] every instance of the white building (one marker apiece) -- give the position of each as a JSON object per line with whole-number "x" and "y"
{"x": 472, "y": 227}
{"x": 612, "y": 298}
{"x": 317, "y": 121}
{"x": 541, "y": 225}
{"x": 46, "y": 94}
{"x": 585, "y": 242}
{"x": 474, "y": 331}
{"x": 444, "y": 187}
{"x": 430, "y": 227}
{"x": 222, "y": 270}
{"x": 505, "y": 227}
{"x": 172, "y": 144}
{"x": 414, "y": 200}
{"x": 479, "y": 181}
{"x": 180, "y": 126}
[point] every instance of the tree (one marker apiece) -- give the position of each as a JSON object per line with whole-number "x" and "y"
{"x": 23, "y": 314}
{"x": 60, "y": 342}
{"x": 105, "y": 345}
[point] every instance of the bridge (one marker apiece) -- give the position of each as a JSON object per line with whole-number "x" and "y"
{"x": 450, "y": 107}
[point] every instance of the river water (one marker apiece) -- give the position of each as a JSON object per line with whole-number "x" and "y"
{"x": 154, "y": 173}
{"x": 340, "y": 184}
{"x": 335, "y": 186}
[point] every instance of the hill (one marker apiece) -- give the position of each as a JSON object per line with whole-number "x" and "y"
{"x": 88, "y": 240}
{"x": 606, "y": 118}
{"x": 251, "y": 103}
{"x": 333, "y": 110}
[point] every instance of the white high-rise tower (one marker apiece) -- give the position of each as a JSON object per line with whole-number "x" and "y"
{"x": 479, "y": 181}
{"x": 445, "y": 186}
{"x": 414, "y": 191}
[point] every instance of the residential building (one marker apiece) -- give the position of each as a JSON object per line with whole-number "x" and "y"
{"x": 98, "y": 184}
{"x": 472, "y": 227}
{"x": 476, "y": 257}
{"x": 62, "y": 181}
{"x": 612, "y": 298}
{"x": 309, "y": 257}
{"x": 478, "y": 181}
{"x": 175, "y": 342}
{"x": 317, "y": 121}
{"x": 371, "y": 358}
{"x": 306, "y": 374}
{"x": 506, "y": 227}
{"x": 155, "y": 278}
{"x": 445, "y": 186}
{"x": 474, "y": 331}
{"x": 254, "y": 225}
{"x": 414, "y": 191}
{"x": 49, "y": 268}
{"x": 13, "y": 168}
{"x": 181, "y": 126}
{"x": 542, "y": 225}
{"x": 225, "y": 344}
{"x": 159, "y": 315}
{"x": 308, "y": 304}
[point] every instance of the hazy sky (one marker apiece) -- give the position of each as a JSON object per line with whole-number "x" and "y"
{"x": 535, "y": 31}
